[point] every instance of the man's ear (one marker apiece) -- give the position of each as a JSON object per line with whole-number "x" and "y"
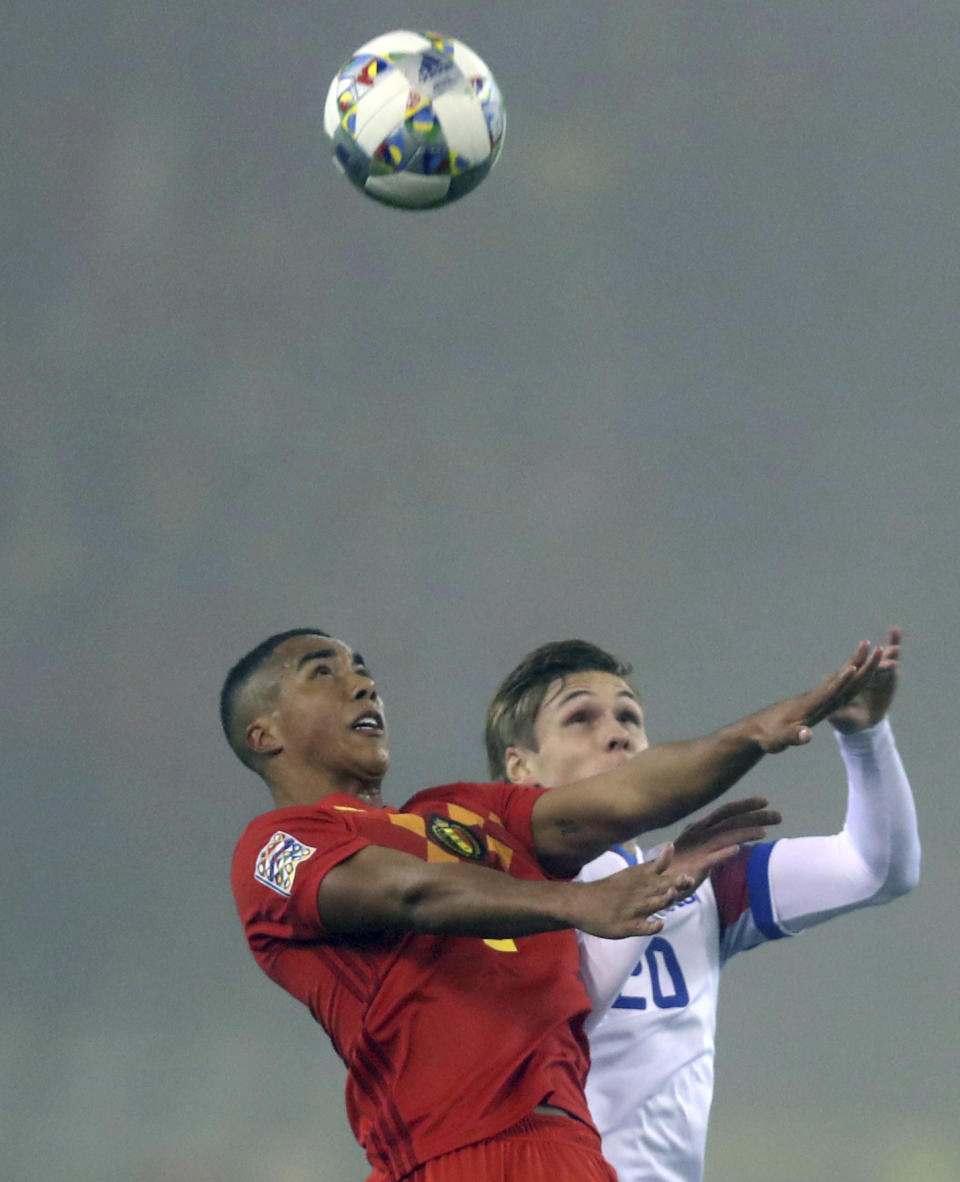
{"x": 261, "y": 738}
{"x": 516, "y": 761}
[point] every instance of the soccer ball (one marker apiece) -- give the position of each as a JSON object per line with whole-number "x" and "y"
{"x": 416, "y": 119}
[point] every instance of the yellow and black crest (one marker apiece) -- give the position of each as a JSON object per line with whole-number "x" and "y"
{"x": 457, "y": 838}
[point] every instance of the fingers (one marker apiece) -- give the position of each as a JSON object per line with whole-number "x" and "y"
{"x": 742, "y": 836}
{"x": 717, "y": 856}
{"x": 870, "y": 673}
{"x": 861, "y": 679}
{"x": 652, "y": 888}
{"x": 850, "y": 667}
{"x": 739, "y": 834}
{"x": 891, "y": 650}
{"x": 758, "y": 817}
{"x": 649, "y": 903}
{"x": 750, "y": 811}
{"x": 663, "y": 859}
{"x": 733, "y": 808}
{"x": 839, "y": 688}
{"x": 701, "y": 861}
{"x": 740, "y": 828}
{"x": 860, "y": 654}
{"x": 677, "y": 887}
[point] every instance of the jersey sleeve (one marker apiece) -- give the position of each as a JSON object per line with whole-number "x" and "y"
{"x": 876, "y": 855}
{"x": 514, "y": 803}
{"x": 745, "y": 909}
{"x": 278, "y": 868}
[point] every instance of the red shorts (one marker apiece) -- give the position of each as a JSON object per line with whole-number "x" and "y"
{"x": 539, "y": 1148}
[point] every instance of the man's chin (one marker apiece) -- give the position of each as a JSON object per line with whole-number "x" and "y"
{"x": 379, "y": 760}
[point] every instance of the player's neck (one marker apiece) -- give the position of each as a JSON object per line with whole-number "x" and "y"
{"x": 310, "y": 787}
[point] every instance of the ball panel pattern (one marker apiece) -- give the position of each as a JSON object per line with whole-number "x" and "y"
{"x": 414, "y": 105}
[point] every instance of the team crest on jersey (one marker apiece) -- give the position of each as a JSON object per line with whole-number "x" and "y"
{"x": 456, "y": 838}
{"x": 277, "y": 862}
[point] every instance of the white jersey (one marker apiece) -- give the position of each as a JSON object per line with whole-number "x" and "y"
{"x": 651, "y": 1079}
{"x": 655, "y": 998}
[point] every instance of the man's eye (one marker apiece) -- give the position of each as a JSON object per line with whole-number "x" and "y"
{"x": 320, "y": 669}
{"x": 629, "y": 716}
{"x": 580, "y": 716}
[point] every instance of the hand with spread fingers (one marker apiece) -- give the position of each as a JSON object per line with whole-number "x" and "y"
{"x": 872, "y": 701}
{"x": 789, "y": 723}
{"x": 724, "y": 829}
{"x": 620, "y": 905}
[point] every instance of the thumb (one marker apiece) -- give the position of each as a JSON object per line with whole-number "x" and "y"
{"x": 793, "y": 736}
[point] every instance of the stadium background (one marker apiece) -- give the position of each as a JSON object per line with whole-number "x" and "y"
{"x": 680, "y": 377}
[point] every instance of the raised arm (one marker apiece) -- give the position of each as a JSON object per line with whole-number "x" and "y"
{"x": 379, "y": 890}
{"x": 876, "y": 856}
{"x": 575, "y": 823}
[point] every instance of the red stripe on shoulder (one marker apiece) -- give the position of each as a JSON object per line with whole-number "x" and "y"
{"x": 731, "y": 888}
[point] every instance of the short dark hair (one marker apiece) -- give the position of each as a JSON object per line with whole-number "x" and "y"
{"x": 514, "y": 707}
{"x": 238, "y": 677}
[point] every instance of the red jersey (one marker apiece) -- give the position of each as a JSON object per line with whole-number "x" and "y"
{"x": 447, "y": 1039}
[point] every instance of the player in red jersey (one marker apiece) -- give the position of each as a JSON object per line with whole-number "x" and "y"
{"x": 435, "y": 943}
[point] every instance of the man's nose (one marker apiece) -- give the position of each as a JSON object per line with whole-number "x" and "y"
{"x": 619, "y": 739}
{"x": 365, "y": 689}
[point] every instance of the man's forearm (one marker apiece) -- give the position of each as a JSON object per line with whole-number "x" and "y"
{"x": 574, "y": 824}
{"x": 474, "y": 901}
{"x": 671, "y": 780}
{"x": 381, "y": 890}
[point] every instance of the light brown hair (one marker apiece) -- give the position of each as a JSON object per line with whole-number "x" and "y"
{"x": 514, "y": 707}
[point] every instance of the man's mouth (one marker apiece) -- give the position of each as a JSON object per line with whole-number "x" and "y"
{"x": 369, "y": 723}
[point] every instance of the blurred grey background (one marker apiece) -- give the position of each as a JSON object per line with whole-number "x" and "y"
{"x": 680, "y": 377}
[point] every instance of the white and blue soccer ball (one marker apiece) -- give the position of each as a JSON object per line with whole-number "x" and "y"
{"x": 416, "y": 119}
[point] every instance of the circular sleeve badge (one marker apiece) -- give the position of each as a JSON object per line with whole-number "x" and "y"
{"x": 456, "y": 838}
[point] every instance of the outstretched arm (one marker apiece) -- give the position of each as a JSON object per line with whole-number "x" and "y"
{"x": 379, "y": 890}
{"x": 876, "y": 856}
{"x": 576, "y": 823}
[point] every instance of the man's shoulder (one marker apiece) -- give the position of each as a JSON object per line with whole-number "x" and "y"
{"x": 287, "y": 843}
{"x": 503, "y": 811}
{"x": 332, "y": 812}
{"x": 463, "y": 792}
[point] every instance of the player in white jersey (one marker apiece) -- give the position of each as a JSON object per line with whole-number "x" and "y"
{"x": 568, "y": 712}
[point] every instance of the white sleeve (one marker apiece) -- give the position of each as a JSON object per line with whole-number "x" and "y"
{"x": 873, "y": 859}
{"x": 605, "y": 965}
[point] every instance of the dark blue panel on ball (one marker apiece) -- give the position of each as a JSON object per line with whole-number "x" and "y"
{"x": 462, "y": 184}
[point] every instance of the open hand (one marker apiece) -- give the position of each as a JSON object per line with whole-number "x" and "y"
{"x": 722, "y": 831}
{"x": 872, "y": 701}
{"x": 619, "y": 906}
{"x": 788, "y": 723}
